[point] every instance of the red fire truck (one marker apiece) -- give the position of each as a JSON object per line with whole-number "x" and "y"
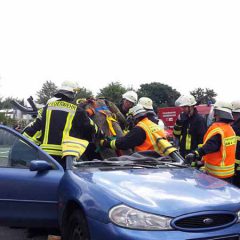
{"x": 169, "y": 115}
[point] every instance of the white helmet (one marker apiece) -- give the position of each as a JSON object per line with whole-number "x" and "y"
{"x": 236, "y": 106}
{"x": 146, "y": 102}
{"x": 69, "y": 86}
{"x": 223, "y": 110}
{"x": 137, "y": 111}
{"x": 68, "y": 89}
{"x": 130, "y": 96}
{"x": 185, "y": 100}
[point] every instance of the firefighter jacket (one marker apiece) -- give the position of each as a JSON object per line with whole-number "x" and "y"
{"x": 236, "y": 128}
{"x": 152, "y": 116}
{"x": 220, "y": 163}
{"x": 61, "y": 129}
{"x": 190, "y": 132}
{"x": 142, "y": 137}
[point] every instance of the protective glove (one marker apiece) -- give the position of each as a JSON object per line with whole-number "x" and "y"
{"x": 191, "y": 157}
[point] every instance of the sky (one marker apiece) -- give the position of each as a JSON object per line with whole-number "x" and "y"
{"x": 185, "y": 44}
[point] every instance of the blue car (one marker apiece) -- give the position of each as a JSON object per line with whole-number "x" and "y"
{"x": 137, "y": 197}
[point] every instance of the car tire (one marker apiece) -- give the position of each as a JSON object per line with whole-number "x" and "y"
{"x": 76, "y": 228}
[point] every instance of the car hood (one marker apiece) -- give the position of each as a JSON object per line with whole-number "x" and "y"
{"x": 171, "y": 191}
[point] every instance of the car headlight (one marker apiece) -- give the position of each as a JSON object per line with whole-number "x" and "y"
{"x": 238, "y": 215}
{"x": 128, "y": 217}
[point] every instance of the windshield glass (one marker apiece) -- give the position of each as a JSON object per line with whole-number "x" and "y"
{"x": 146, "y": 159}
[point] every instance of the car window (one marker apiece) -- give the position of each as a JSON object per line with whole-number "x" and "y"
{"x": 15, "y": 152}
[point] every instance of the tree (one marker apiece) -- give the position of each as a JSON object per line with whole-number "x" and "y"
{"x": 204, "y": 96}
{"x": 112, "y": 92}
{"x": 47, "y": 91}
{"x": 161, "y": 94}
{"x": 7, "y": 103}
{"x": 83, "y": 93}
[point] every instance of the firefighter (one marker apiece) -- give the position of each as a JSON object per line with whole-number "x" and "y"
{"x": 62, "y": 128}
{"x": 190, "y": 127}
{"x": 129, "y": 99}
{"x": 219, "y": 144}
{"x": 141, "y": 137}
{"x": 147, "y": 103}
{"x": 236, "y": 128}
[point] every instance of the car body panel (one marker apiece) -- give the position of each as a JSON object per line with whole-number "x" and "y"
{"x": 169, "y": 192}
{"x": 30, "y": 194}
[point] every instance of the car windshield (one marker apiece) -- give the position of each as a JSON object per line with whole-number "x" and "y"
{"x": 136, "y": 160}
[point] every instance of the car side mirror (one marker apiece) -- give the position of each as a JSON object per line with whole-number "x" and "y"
{"x": 40, "y": 165}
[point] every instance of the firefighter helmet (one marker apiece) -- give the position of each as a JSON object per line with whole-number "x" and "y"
{"x": 146, "y": 102}
{"x": 223, "y": 110}
{"x": 130, "y": 96}
{"x": 137, "y": 111}
{"x": 185, "y": 100}
{"x": 68, "y": 89}
{"x": 236, "y": 106}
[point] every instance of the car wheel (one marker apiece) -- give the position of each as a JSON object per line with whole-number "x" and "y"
{"x": 76, "y": 228}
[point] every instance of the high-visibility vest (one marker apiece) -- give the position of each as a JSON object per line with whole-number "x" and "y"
{"x": 221, "y": 163}
{"x": 152, "y": 130}
{"x": 65, "y": 144}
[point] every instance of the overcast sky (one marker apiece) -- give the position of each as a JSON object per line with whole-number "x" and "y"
{"x": 184, "y": 43}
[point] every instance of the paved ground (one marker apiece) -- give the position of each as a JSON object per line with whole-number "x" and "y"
{"x": 19, "y": 234}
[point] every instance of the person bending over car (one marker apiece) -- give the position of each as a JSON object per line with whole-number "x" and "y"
{"x": 219, "y": 145}
{"x": 141, "y": 137}
{"x": 62, "y": 128}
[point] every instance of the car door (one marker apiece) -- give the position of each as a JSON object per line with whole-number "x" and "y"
{"x": 27, "y": 198}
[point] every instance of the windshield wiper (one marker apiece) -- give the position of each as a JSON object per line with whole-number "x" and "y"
{"x": 112, "y": 163}
{"x": 143, "y": 163}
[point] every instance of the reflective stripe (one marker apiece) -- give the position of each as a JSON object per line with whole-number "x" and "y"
{"x": 68, "y": 125}
{"x": 238, "y": 138}
{"x": 40, "y": 111}
{"x": 38, "y": 134}
{"x": 62, "y": 105}
{"x": 177, "y": 132}
{"x": 220, "y": 171}
{"x": 188, "y": 141}
{"x": 51, "y": 146}
{"x": 73, "y": 146}
{"x": 48, "y": 118}
{"x": 200, "y": 145}
{"x": 238, "y": 161}
{"x": 33, "y": 138}
{"x": 164, "y": 147}
{"x": 113, "y": 144}
{"x": 230, "y": 141}
{"x": 61, "y": 109}
{"x": 149, "y": 132}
